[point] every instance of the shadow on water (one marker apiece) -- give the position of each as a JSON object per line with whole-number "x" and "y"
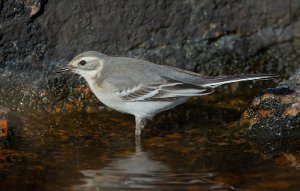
{"x": 178, "y": 151}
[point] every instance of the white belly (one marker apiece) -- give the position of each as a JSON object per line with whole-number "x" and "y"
{"x": 144, "y": 109}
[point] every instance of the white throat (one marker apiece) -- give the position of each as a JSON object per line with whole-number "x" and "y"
{"x": 90, "y": 75}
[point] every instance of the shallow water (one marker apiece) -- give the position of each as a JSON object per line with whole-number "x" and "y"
{"x": 178, "y": 151}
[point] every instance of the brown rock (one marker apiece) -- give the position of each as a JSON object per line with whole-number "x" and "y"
{"x": 3, "y": 128}
{"x": 276, "y": 111}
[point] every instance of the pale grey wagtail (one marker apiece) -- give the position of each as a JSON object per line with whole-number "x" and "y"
{"x": 142, "y": 88}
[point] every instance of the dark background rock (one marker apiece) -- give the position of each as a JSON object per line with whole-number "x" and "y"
{"x": 275, "y": 114}
{"x": 212, "y": 37}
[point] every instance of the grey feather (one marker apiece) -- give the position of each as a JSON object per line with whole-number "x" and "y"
{"x": 169, "y": 83}
{"x": 159, "y": 74}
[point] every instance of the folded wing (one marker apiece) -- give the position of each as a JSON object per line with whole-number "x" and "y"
{"x": 167, "y": 90}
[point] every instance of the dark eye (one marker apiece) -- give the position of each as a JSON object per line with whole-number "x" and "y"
{"x": 82, "y": 63}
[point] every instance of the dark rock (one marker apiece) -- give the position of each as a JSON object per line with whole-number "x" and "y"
{"x": 276, "y": 112}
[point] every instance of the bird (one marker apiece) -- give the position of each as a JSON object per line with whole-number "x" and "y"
{"x": 143, "y": 88}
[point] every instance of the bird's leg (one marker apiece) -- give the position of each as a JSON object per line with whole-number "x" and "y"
{"x": 140, "y": 123}
{"x": 138, "y": 146}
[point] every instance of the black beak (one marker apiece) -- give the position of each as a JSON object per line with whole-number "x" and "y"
{"x": 62, "y": 69}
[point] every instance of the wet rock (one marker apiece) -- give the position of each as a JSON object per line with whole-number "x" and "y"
{"x": 3, "y": 123}
{"x": 290, "y": 159}
{"x": 210, "y": 37}
{"x": 275, "y": 114}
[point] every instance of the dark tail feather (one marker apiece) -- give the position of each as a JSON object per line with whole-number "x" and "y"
{"x": 220, "y": 80}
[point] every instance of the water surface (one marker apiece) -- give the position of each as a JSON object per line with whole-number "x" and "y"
{"x": 178, "y": 151}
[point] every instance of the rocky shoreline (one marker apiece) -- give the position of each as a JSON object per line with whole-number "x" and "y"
{"x": 210, "y": 37}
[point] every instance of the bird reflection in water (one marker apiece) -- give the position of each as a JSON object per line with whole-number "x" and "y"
{"x": 138, "y": 171}
{"x": 135, "y": 171}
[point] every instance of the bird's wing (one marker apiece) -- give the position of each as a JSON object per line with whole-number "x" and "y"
{"x": 164, "y": 90}
{"x": 189, "y": 77}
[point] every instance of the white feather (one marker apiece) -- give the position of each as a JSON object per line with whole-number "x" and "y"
{"x": 126, "y": 92}
{"x": 216, "y": 84}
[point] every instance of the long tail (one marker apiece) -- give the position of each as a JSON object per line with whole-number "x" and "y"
{"x": 220, "y": 80}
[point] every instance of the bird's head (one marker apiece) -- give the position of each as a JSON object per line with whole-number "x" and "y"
{"x": 86, "y": 64}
